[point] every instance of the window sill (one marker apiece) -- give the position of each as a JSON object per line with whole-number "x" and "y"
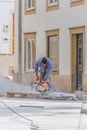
{"x": 52, "y": 7}
{"x": 29, "y": 9}
{"x": 77, "y": 3}
{"x": 49, "y": 5}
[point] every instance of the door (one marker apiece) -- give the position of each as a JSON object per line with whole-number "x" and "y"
{"x": 77, "y": 61}
{"x": 79, "y": 67}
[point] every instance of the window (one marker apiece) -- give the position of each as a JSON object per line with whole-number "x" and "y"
{"x": 29, "y": 4}
{"x": 5, "y": 28}
{"x": 29, "y": 51}
{"x": 4, "y": 40}
{"x": 30, "y": 7}
{"x": 52, "y": 5}
{"x": 76, "y": 2}
{"x": 29, "y": 54}
{"x": 53, "y": 48}
{"x": 52, "y": 2}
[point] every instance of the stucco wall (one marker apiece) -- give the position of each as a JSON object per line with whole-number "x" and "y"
{"x": 64, "y": 18}
{"x": 5, "y": 62}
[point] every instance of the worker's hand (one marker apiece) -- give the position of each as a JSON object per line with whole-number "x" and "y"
{"x": 42, "y": 81}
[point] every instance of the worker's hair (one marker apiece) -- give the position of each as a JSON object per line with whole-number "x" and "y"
{"x": 44, "y": 60}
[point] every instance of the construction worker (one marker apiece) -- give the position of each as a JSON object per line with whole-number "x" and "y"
{"x": 43, "y": 68}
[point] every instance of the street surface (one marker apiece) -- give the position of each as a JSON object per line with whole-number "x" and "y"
{"x": 36, "y": 114}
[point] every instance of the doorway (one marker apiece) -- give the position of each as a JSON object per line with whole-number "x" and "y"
{"x": 77, "y": 61}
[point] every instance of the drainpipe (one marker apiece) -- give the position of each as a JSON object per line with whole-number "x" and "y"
{"x": 19, "y": 41}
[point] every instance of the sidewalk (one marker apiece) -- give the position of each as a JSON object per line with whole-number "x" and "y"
{"x": 83, "y": 116}
{"x": 84, "y": 107}
{"x": 63, "y": 113}
{"x": 44, "y": 114}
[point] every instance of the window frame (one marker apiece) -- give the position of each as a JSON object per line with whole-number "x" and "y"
{"x": 30, "y": 36}
{"x": 31, "y": 5}
{"x": 31, "y": 42}
{"x": 52, "y": 33}
{"x": 5, "y": 28}
{"x": 52, "y": 6}
{"x": 76, "y": 2}
{"x": 32, "y": 9}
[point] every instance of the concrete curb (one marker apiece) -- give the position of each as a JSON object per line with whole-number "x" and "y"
{"x": 58, "y": 96}
{"x": 84, "y": 111}
{"x": 84, "y": 107}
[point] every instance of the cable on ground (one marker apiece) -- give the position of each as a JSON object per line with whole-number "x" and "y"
{"x": 33, "y": 126}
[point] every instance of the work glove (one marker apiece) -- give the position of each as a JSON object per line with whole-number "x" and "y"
{"x": 42, "y": 81}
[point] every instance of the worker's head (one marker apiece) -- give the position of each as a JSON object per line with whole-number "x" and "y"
{"x": 44, "y": 62}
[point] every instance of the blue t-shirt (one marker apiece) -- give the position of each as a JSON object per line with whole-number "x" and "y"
{"x": 47, "y": 69}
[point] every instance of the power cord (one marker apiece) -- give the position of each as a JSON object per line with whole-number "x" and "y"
{"x": 33, "y": 127}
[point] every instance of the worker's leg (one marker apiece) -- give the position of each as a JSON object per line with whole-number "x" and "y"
{"x": 51, "y": 87}
{"x": 41, "y": 75}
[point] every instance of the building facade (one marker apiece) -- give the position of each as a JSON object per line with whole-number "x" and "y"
{"x": 6, "y": 37}
{"x": 57, "y": 29}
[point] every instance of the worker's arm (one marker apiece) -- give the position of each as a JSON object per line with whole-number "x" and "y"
{"x": 37, "y": 76}
{"x": 36, "y": 66}
{"x": 49, "y": 69}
